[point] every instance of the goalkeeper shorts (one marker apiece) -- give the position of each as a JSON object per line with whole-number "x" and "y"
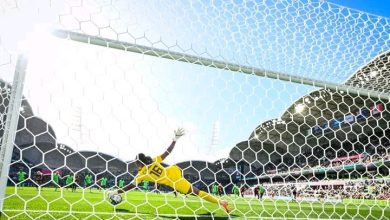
{"x": 177, "y": 181}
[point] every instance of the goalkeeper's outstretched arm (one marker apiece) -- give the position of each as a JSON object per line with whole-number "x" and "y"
{"x": 178, "y": 133}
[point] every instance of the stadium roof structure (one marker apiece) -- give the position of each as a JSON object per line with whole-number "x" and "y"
{"x": 35, "y": 131}
{"x": 35, "y": 141}
{"x": 25, "y": 109}
{"x": 37, "y": 146}
{"x": 103, "y": 162}
{"x": 33, "y": 136}
{"x": 5, "y": 91}
{"x": 374, "y": 76}
{"x": 196, "y": 164}
{"x": 289, "y": 134}
{"x": 95, "y": 162}
{"x": 198, "y": 168}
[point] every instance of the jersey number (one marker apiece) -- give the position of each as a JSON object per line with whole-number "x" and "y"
{"x": 156, "y": 171}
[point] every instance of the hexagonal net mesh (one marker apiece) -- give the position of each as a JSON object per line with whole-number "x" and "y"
{"x": 284, "y": 105}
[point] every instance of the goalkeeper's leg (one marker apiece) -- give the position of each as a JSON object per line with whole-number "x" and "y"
{"x": 210, "y": 198}
{"x": 185, "y": 187}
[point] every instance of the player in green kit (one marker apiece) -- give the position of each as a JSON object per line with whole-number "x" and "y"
{"x": 88, "y": 181}
{"x": 146, "y": 185}
{"x": 69, "y": 180}
{"x": 262, "y": 191}
{"x": 236, "y": 190}
{"x": 56, "y": 179}
{"x": 21, "y": 177}
{"x": 103, "y": 182}
{"x": 121, "y": 183}
{"x": 214, "y": 189}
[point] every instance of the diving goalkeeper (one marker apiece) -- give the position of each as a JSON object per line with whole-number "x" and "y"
{"x": 151, "y": 170}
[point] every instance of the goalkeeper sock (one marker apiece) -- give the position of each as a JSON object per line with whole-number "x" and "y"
{"x": 204, "y": 195}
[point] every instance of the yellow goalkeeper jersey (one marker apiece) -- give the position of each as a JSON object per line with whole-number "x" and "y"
{"x": 170, "y": 176}
{"x": 153, "y": 172}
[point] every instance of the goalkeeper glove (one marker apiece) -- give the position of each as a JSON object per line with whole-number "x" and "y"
{"x": 178, "y": 133}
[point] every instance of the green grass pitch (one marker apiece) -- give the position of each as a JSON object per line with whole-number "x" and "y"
{"x": 28, "y": 203}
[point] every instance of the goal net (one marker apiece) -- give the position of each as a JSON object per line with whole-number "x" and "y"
{"x": 285, "y": 107}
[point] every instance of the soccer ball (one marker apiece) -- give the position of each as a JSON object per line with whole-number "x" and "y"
{"x": 114, "y": 198}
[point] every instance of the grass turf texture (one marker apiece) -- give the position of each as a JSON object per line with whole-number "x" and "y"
{"x": 65, "y": 204}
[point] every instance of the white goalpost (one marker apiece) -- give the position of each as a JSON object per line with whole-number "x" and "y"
{"x": 10, "y": 125}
